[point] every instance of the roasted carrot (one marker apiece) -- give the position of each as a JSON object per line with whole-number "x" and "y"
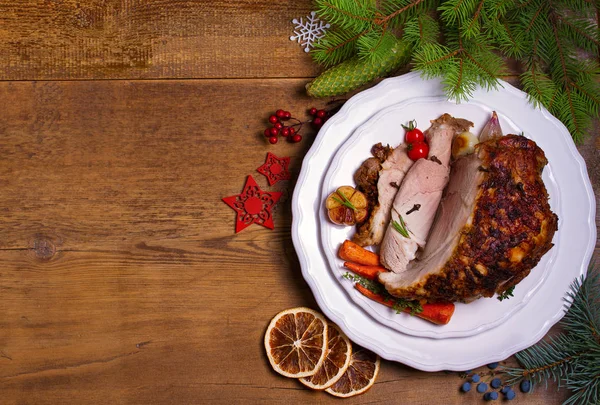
{"x": 368, "y": 272}
{"x": 352, "y": 252}
{"x": 438, "y": 313}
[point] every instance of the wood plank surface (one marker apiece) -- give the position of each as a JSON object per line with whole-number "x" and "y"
{"x": 131, "y": 39}
{"x": 122, "y": 280}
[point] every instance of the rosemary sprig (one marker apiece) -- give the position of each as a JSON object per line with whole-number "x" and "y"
{"x": 377, "y": 288}
{"x": 401, "y": 227}
{"x": 346, "y": 201}
{"x": 506, "y": 294}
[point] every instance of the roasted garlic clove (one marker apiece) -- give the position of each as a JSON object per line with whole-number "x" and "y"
{"x": 464, "y": 144}
{"x": 346, "y": 206}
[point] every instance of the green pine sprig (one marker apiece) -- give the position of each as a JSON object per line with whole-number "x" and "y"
{"x": 572, "y": 358}
{"x": 466, "y": 42}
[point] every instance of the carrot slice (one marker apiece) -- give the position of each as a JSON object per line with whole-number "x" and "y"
{"x": 438, "y": 313}
{"x": 352, "y": 252}
{"x": 368, "y": 272}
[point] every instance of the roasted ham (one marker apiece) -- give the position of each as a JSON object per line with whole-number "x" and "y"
{"x": 389, "y": 177}
{"x": 420, "y": 193}
{"x": 492, "y": 227}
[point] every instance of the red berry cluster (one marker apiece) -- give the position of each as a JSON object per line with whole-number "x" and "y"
{"x": 320, "y": 116}
{"x": 279, "y": 128}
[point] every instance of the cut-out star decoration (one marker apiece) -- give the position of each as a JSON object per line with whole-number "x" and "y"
{"x": 253, "y": 206}
{"x": 275, "y": 168}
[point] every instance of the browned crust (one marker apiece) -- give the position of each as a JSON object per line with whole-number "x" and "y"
{"x": 512, "y": 227}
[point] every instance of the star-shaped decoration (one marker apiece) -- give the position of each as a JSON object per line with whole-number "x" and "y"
{"x": 275, "y": 168}
{"x": 253, "y": 206}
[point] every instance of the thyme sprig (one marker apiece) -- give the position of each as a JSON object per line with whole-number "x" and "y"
{"x": 506, "y": 294}
{"x": 399, "y": 304}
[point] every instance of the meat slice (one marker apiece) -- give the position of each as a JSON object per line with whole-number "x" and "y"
{"x": 390, "y": 177}
{"x": 493, "y": 226}
{"x": 417, "y": 200}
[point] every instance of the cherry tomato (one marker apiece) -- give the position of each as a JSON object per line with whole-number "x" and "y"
{"x": 414, "y": 135}
{"x": 418, "y": 150}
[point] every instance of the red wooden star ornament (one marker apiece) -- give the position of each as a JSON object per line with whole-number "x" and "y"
{"x": 275, "y": 168}
{"x": 253, "y": 206}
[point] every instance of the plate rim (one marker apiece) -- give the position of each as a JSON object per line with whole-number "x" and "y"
{"x": 364, "y": 303}
{"x": 371, "y": 96}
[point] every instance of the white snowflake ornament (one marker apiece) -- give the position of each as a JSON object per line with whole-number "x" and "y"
{"x": 308, "y": 32}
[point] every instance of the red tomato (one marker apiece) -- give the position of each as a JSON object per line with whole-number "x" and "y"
{"x": 414, "y": 135}
{"x": 418, "y": 150}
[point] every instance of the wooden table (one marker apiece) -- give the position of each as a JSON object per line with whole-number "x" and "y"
{"x": 124, "y": 123}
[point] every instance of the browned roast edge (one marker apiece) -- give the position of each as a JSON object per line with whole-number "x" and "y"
{"x": 480, "y": 264}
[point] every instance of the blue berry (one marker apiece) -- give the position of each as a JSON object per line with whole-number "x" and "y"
{"x": 496, "y": 383}
{"x": 482, "y": 387}
{"x": 466, "y": 387}
{"x": 505, "y": 389}
{"x": 490, "y": 396}
{"x": 510, "y": 395}
{"x": 525, "y": 386}
{"x": 492, "y": 365}
{"x": 468, "y": 371}
{"x": 475, "y": 378}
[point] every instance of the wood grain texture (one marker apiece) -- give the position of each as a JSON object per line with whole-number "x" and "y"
{"x": 122, "y": 281}
{"x": 118, "y": 39}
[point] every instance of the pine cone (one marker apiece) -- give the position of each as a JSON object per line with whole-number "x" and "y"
{"x": 355, "y": 72}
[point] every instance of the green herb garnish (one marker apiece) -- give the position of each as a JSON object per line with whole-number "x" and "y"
{"x": 399, "y": 304}
{"x": 506, "y": 294}
{"x": 346, "y": 201}
{"x": 401, "y": 227}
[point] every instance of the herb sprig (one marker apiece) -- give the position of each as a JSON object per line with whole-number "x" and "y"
{"x": 401, "y": 227}
{"x": 346, "y": 201}
{"x": 377, "y": 288}
{"x": 506, "y": 294}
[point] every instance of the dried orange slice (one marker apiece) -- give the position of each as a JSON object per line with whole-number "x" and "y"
{"x": 296, "y": 342}
{"x": 337, "y": 360}
{"x": 360, "y": 375}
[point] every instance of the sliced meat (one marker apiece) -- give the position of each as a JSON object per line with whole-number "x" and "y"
{"x": 422, "y": 188}
{"x": 493, "y": 226}
{"x": 392, "y": 172}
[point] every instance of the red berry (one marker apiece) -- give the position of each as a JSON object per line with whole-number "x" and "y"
{"x": 285, "y": 131}
{"x": 287, "y": 115}
{"x": 280, "y": 113}
{"x": 296, "y": 138}
{"x": 268, "y": 132}
{"x": 312, "y": 111}
{"x": 274, "y": 131}
{"x": 321, "y": 113}
{"x": 292, "y": 130}
{"x": 273, "y": 119}
{"x": 273, "y": 140}
{"x": 278, "y": 125}
{"x": 317, "y": 122}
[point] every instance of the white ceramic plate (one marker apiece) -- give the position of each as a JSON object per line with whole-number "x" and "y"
{"x": 574, "y": 240}
{"x": 385, "y": 127}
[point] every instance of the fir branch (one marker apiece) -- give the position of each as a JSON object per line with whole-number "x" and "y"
{"x": 546, "y": 36}
{"x": 375, "y": 45}
{"x": 421, "y": 30}
{"x": 355, "y": 15}
{"x": 571, "y": 359}
{"x": 335, "y": 47}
